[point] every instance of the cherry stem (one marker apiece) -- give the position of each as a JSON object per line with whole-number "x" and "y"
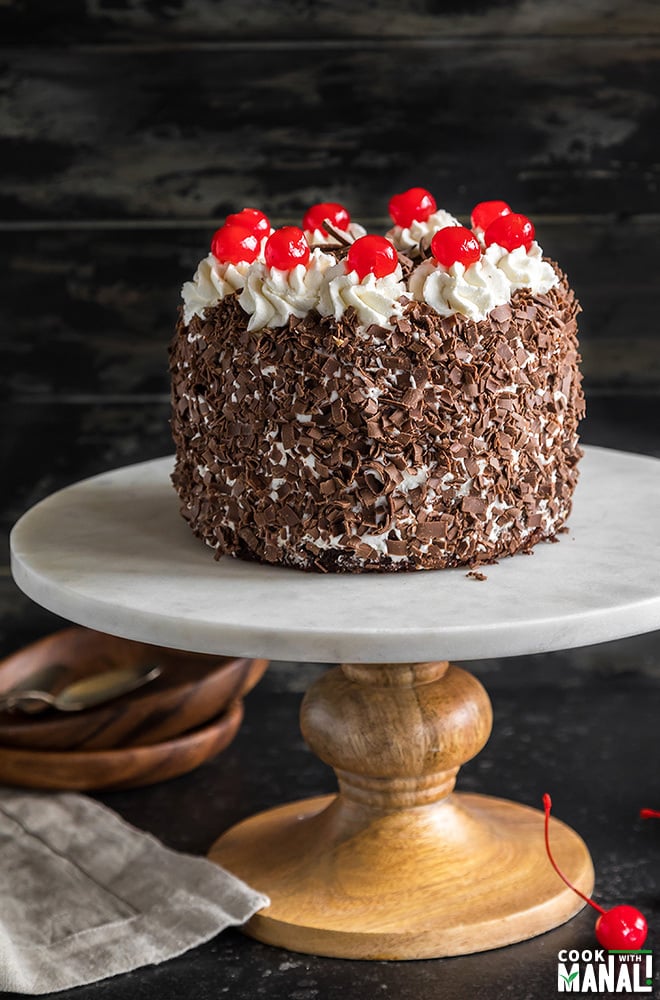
{"x": 649, "y": 813}
{"x": 547, "y": 805}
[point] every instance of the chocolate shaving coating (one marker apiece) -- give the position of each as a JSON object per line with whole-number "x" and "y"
{"x": 322, "y": 445}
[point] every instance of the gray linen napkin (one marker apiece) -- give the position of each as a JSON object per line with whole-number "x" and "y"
{"x": 84, "y": 896}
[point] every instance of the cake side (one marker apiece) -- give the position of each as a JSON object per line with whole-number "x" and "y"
{"x": 329, "y": 445}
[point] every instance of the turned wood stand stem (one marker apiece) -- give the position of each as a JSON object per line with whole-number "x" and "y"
{"x": 397, "y": 865}
{"x": 396, "y": 735}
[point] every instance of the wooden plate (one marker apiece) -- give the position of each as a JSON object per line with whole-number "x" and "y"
{"x": 192, "y": 689}
{"x": 130, "y": 767}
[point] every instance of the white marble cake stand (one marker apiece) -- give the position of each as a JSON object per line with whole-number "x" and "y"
{"x": 395, "y": 865}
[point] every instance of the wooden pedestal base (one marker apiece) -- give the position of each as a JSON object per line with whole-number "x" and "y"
{"x": 396, "y": 866}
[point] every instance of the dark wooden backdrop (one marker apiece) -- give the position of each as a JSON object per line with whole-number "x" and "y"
{"x": 130, "y": 127}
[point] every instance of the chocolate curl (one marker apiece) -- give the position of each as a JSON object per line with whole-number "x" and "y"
{"x": 344, "y": 239}
{"x": 341, "y": 235}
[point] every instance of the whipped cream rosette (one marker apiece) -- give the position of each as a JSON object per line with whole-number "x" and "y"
{"x": 271, "y": 295}
{"x": 523, "y": 268}
{"x": 210, "y": 283}
{"x": 376, "y": 300}
{"x": 409, "y": 237}
{"x": 472, "y": 291}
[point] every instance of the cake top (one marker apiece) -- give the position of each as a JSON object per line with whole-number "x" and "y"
{"x": 331, "y": 264}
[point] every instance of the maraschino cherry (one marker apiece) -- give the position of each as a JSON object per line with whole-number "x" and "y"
{"x": 413, "y": 205}
{"x": 250, "y": 218}
{"x": 234, "y": 245}
{"x": 455, "y": 244}
{"x": 486, "y": 212}
{"x": 623, "y": 928}
{"x": 510, "y": 231}
{"x": 286, "y": 248}
{"x": 371, "y": 255}
{"x": 331, "y": 211}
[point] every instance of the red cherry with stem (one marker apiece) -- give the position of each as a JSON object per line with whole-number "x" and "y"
{"x": 371, "y": 255}
{"x": 413, "y": 205}
{"x": 234, "y": 245}
{"x": 649, "y": 813}
{"x": 250, "y": 218}
{"x": 487, "y": 211}
{"x": 286, "y": 248}
{"x": 622, "y": 928}
{"x": 510, "y": 231}
{"x": 335, "y": 213}
{"x": 455, "y": 244}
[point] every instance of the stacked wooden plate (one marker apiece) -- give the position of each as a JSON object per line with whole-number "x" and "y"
{"x": 191, "y": 712}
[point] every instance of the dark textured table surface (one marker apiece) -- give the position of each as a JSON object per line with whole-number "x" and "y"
{"x": 128, "y": 130}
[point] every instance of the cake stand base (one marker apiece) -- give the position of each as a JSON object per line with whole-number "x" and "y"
{"x": 397, "y": 866}
{"x": 466, "y": 876}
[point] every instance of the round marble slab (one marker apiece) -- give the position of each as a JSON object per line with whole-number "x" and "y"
{"x": 114, "y": 554}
